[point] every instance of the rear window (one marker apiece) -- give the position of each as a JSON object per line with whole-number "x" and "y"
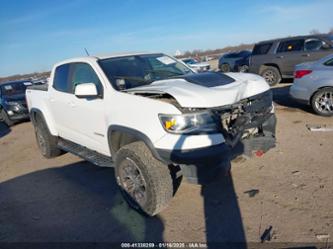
{"x": 262, "y": 48}
{"x": 291, "y": 45}
{"x": 60, "y": 82}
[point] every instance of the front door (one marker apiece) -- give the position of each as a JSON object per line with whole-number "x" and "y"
{"x": 86, "y": 115}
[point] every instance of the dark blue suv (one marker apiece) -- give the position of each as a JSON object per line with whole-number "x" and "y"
{"x": 235, "y": 62}
{"x": 13, "y": 106}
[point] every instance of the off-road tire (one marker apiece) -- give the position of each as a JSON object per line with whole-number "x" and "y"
{"x": 5, "y": 118}
{"x": 225, "y": 68}
{"x": 315, "y": 106}
{"x": 156, "y": 175}
{"x": 45, "y": 141}
{"x": 271, "y": 75}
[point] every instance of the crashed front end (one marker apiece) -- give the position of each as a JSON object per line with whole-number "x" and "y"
{"x": 249, "y": 126}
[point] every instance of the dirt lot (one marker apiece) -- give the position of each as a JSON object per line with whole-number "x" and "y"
{"x": 67, "y": 199}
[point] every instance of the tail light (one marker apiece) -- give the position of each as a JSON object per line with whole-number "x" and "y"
{"x": 300, "y": 73}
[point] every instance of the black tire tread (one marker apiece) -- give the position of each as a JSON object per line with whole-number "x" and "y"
{"x": 51, "y": 142}
{"x": 156, "y": 174}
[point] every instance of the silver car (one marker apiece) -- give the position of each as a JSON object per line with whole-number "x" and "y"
{"x": 313, "y": 85}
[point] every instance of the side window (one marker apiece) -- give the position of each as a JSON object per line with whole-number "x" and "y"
{"x": 84, "y": 73}
{"x": 313, "y": 45}
{"x": 291, "y": 45}
{"x": 329, "y": 63}
{"x": 60, "y": 82}
{"x": 261, "y": 48}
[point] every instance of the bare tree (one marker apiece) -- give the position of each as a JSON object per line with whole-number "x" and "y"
{"x": 314, "y": 32}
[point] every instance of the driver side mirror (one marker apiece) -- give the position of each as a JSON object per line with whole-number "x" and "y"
{"x": 86, "y": 90}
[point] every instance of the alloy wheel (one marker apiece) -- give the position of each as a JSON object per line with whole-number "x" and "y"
{"x": 324, "y": 102}
{"x": 132, "y": 182}
{"x": 269, "y": 76}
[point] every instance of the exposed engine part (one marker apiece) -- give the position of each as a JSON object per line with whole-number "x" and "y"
{"x": 245, "y": 118}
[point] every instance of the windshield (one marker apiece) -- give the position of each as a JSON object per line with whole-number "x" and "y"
{"x": 137, "y": 70}
{"x": 14, "y": 88}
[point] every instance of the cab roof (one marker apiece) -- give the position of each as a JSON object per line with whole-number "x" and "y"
{"x": 102, "y": 56}
{"x": 295, "y": 37}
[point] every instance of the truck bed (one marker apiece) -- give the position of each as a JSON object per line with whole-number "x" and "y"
{"x": 43, "y": 87}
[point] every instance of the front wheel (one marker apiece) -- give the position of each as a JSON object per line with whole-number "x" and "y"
{"x": 322, "y": 102}
{"x": 145, "y": 182}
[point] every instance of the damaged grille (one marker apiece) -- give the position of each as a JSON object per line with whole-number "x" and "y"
{"x": 248, "y": 113}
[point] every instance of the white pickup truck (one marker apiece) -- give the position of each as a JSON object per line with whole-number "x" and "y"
{"x": 152, "y": 118}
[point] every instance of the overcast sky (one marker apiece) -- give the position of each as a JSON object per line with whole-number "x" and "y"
{"x": 34, "y": 34}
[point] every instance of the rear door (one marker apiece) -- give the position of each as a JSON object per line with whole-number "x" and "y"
{"x": 59, "y": 98}
{"x": 288, "y": 54}
{"x": 260, "y": 56}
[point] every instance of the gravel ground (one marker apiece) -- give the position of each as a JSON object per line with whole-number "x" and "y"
{"x": 67, "y": 199}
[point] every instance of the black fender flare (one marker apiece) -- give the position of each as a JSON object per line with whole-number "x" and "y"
{"x": 32, "y": 114}
{"x": 138, "y": 135}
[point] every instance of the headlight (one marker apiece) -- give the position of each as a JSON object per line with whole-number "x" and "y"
{"x": 194, "y": 123}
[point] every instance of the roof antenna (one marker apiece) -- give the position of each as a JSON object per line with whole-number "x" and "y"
{"x": 86, "y": 52}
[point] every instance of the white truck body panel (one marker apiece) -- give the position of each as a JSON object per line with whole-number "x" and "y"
{"x": 86, "y": 122}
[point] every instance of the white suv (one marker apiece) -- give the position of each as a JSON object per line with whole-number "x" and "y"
{"x": 151, "y": 117}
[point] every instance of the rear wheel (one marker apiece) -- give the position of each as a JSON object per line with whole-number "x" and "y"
{"x": 225, "y": 68}
{"x": 145, "y": 182}
{"x": 271, "y": 75}
{"x": 5, "y": 118}
{"x": 322, "y": 101}
{"x": 45, "y": 141}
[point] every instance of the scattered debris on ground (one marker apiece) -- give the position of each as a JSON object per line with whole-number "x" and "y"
{"x": 296, "y": 173}
{"x": 252, "y": 192}
{"x": 323, "y": 237}
{"x": 267, "y": 235}
{"x": 319, "y": 127}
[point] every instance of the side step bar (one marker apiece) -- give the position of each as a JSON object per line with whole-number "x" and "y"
{"x": 85, "y": 153}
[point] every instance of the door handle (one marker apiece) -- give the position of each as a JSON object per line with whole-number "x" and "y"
{"x": 306, "y": 55}
{"x": 51, "y": 99}
{"x": 280, "y": 56}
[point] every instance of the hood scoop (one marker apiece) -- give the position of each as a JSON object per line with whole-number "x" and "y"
{"x": 208, "y": 79}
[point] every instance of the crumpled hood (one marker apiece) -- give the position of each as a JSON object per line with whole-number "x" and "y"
{"x": 193, "y": 95}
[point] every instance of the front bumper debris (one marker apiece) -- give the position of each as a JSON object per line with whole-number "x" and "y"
{"x": 247, "y": 127}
